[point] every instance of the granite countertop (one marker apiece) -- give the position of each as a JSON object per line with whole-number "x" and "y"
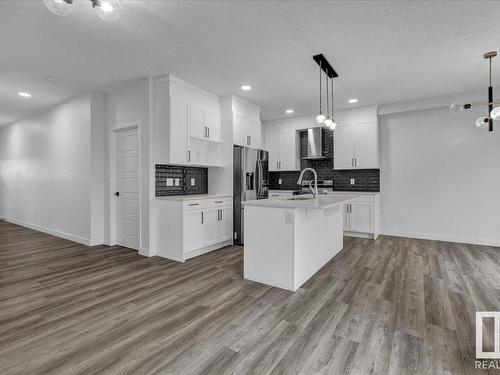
{"x": 193, "y": 197}
{"x": 321, "y": 202}
{"x": 330, "y": 192}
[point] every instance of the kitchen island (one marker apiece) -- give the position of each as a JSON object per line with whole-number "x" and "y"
{"x": 288, "y": 240}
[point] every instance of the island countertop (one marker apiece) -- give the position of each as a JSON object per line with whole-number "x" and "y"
{"x": 321, "y": 202}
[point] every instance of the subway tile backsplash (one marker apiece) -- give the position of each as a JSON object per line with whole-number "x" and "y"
{"x": 365, "y": 179}
{"x": 184, "y": 176}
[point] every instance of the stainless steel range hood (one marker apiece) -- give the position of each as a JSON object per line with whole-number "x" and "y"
{"x": 314, "y": 144}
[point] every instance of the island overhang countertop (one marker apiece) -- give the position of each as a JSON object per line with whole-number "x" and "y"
{"x": 320, "y": 202}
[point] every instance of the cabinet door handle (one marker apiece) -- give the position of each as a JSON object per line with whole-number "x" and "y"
{"x": 250, "y": 142}
{"x": 193, "y": 204}
{"x": 277, "y": 165}
{"x": 355, "y": 162}
{"x": 202, "y": 217}
{"x": 221, "y": 214}
{"x": 189, "y": 156}
{"x": 218, "y": 201}
{"x": 208, "y": 132}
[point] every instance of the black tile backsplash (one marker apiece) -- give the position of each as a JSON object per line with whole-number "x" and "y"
{"x": 184, "y": 174}
{"x": 366, "y": 179}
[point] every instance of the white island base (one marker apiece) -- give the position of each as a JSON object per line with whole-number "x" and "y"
{"x": 285, "y": 246}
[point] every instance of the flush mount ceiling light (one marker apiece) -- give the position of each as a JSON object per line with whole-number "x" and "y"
{"x": 353, "y": 100}
{"x": 324, "y": 66}
{"x": 289, "y": 111}
{"x": 108, "y": 10}
{"x": 246, "y": 87}
{"x": 24, "y": 94}
{"x": 482, "y": 122}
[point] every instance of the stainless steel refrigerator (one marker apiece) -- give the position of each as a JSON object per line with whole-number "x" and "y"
{"x": 251, "y": 181}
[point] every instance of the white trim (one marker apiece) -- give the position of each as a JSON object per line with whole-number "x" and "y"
{"x": 187, "y": 85}
{"x": 113, "y": 180}
{"x": 235, "y": 98}
{"x": 53, "y": 232}
{"x": 443, "y": 237}
{"x": 145, "y": 252}
{"x": 359, "y": 235}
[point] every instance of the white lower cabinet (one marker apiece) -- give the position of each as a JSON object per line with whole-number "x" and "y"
{"x": 362, "y": 216}
{"x": 194, "y": 227}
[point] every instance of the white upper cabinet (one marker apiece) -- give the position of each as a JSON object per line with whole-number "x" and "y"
{"x": 282, "y": 148}
{"x": 186, "y": 125}
{"x": 245, "y": 117}
{"x": 356, "y": 143}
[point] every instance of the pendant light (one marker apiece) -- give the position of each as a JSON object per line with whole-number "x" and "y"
{"x": 59, "y": 7}
{"x": 108, "y": 10}
{"x": 482, "y": 122}
{"x": 321, "y": 117}
{"x": 330, "y": 120}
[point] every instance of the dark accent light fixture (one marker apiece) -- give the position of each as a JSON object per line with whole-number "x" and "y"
{"x": 482, "y": 122}
{"x": 326, "y": 68}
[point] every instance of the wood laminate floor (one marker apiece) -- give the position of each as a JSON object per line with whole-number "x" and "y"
{"x": 391, "y": 306}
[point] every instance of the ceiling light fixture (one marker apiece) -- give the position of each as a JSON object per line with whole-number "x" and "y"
{"x": 24, "y": 94}
{"x": 353, "y": 100}
{"x": 246, "y": 87}
{"x": 108, "y": 10}
{"x": 324, "y": 66}
{"x": 289, "y": 111}
{"x": 493, "y": 113}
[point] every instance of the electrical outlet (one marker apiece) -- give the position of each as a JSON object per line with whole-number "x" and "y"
{"x": 280, "y": 181}
{"x": 193, "y": 182}
{"x": 170, "y": 182}
{"x": 353, "y": 181}
{"x": 177, "y": 182}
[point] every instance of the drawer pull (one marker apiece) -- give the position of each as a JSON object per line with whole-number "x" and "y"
{"x": 193, "y": 204}
{"x": 219, "y": 201}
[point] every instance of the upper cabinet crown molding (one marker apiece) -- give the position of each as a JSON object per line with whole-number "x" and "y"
{"x": 187, "y": 85}
{"x": 186, "y": 124}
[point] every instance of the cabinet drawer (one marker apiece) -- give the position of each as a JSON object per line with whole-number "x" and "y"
{"x": 195, "y": 205}
{"x": 365, "y": 199}
{"x": 219, "y": 202}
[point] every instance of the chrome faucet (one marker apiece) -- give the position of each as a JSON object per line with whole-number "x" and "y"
{"x": 299, "y": 181}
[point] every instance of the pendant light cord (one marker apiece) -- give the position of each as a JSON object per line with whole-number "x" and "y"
{"x": 327, "y": 99}
{"x": 332, "y": 100}
{"x": 320, "y": 103}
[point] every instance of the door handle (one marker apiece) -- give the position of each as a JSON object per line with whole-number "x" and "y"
{"x": 117, "y": 194}
{"x": 202, "y": 217}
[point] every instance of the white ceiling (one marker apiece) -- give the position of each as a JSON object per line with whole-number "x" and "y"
{"x": 384, "y": 51}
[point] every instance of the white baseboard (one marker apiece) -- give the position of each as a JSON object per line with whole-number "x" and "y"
{"x": 359, "y": 235}
{"x": 145, "y": 252}
{"x": 443, "y": 237}
{"x": 54, "y": 232}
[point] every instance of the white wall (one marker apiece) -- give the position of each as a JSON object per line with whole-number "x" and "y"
{"x": 440, "y": 177}
{"x": 45, "y": 170}
{"x": 128, "y": 104}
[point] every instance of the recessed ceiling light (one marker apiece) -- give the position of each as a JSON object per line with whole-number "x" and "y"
{"x": 353, "y": 100}
{"x": 246, "y": 87}
{"x": 24, "y": 94}
{"x": 289, "y": 111}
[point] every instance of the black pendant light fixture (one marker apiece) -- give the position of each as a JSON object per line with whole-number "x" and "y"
{"x": 108, "y": 10}
{"x": 326, "y": 68}
{"x": 482, "y": 122}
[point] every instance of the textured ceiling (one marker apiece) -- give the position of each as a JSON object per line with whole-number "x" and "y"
{"x": 384, "y": 51}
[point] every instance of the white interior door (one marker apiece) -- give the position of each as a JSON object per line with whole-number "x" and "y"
{"x": 127, "y": 221}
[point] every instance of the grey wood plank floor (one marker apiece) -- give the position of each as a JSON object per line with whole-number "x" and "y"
{"x": 391, "y": 306}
